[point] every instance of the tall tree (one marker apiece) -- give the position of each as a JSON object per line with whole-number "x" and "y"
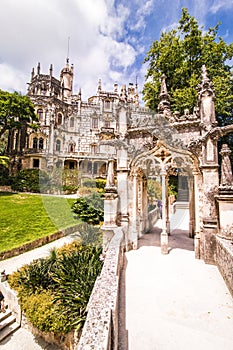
{"x": 180, "y": 54}
{"x": 16, "y": 110}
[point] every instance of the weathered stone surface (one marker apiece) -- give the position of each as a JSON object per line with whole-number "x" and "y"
{"x": 102, "y": 317}
{"x": 224, "y": 261}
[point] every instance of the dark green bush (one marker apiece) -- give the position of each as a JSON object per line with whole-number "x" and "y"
{"x": 89, "y": 209}
{"x": 31, "y": 180}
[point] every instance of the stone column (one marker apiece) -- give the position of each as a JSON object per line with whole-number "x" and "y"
{"x": 135, "y": 212}
{"x": 122, "y": 190}
{"x": 145, "y": 206}
{"x": 164, "y": 235}
{"x": 110, "y": 206}
{"x": 191, "y": 207}
{"x": 167, "y": 207}
{"x": 197, "y": 214}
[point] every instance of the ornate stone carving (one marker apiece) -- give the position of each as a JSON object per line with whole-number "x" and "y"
{"x": 226, "y": 171}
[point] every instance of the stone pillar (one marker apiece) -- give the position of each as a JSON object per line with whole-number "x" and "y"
{"x": 122, "y": 190}
{"x": 135, "y": 212}
{"x": 164, "y": 235}
{"x": 197, "y": 215}
{"x": 110, "y": 206}
{"x": 209, "y": 167}
{"x": 191, "y": 207}
{"x": 167, "y": 207}
{"x": 225, "y": 196}
{"x": 145, "y": 206}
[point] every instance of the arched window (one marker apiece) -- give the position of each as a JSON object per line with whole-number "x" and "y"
{"x": 107, "y": 104}
{"x": 71, "y": 147}
{"x": 72, "y": 122}
{"x": 35, "y": 142}
{"x": 40, "y": 114}
{"x": 59, "y": 119}
{"x": 94, "y": 123}
{"x": 94, "y": 148}
{"x": 58, "y": 145}
{"x": 41, "y": 143}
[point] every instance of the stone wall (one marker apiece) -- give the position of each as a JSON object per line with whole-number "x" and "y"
{"x": 101, "y": 327}
{"x": 38, "y": 242}
{"x": 63, "y": 341}
{"x": 224, "y": 261}
{"x": 154, "y": 215}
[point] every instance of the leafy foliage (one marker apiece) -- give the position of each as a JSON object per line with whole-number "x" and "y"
{"x": 54, "y": 292}
{"x": 180, "y": 54}
{"x": 89, "y": 209}
{"x": 30, "y": 180}
{"x": 16, "y": 111}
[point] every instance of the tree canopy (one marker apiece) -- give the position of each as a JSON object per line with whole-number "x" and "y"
{"x": 16, "y": 110}
{"x": 180, "y": 54}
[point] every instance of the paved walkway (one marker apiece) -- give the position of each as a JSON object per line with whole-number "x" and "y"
{"x": 23, "y": 339}
{"x": 173, "y": 302}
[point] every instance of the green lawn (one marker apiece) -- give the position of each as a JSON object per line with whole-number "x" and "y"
{"x": 26, "y": 217}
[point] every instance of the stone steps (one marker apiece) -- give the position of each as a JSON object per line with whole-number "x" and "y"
{"x": 8, "y": 324}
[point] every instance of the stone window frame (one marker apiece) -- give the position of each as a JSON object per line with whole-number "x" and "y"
{"x": 40, "y": 114}
{"x": 35, "y": 142}
{"x": 59, "y": 118}
{"x": 36, "y": 163}
{"x": 94, "y": 123}
{"x": 58, "y": 148}
{"x": 107, "y": 104}
{"x": 94, "y": 148}
{"x": 71, "y": 122}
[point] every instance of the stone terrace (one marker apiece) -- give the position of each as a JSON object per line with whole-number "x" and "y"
{"x": 173, "y": 301}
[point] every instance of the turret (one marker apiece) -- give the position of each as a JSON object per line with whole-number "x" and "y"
{"x": 66, "y": 78}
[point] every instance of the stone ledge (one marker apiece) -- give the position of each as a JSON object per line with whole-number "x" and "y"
{"x": 224, "y": 261}
{"x": 100, "y": 331}
{"x": 38, "y": 243}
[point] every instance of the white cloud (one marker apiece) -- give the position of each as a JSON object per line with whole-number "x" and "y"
{"x": 107, "y": 37}
{"x": 32, "y": 31}
{"x": 221, "y": 5}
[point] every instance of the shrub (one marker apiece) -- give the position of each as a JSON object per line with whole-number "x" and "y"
{"x": 54, "y": 292}
{"x": 30, "y": 180}
{"x": 89, "y": 209}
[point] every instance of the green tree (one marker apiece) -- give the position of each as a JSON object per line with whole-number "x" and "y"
{"x": 180, "y": 54}
{"x": 16, "y": 111}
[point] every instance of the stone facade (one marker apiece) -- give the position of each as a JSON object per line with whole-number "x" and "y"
{"x": 112, "y": 136}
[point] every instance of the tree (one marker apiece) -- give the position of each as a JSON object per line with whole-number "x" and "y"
{"x": 180, "y": 54}
{"x": 16, "y": 111}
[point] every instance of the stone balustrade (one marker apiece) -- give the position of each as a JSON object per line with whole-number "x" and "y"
{"x": 100, "y": 331}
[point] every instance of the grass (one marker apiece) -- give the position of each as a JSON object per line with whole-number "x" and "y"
{"x": 27, "y": 217}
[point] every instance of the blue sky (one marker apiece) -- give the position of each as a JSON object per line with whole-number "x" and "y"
{"x": 108, "y": 39}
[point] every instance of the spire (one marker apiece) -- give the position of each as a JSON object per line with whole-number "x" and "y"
{"x": 99, "y": 85}
{"x": 38, "y": 68}
{"x": 32, "y": 73}
{"x": 164, "y": 98}
{"x": 123, "y": 95}
{"x": 51, "y": 70}
{"x": 115, "y": 87}
{"x": 206, "y": 98}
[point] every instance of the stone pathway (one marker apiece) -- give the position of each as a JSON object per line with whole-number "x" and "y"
{"x": 174, "y": 301}
{"x": 12, "y": 264}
